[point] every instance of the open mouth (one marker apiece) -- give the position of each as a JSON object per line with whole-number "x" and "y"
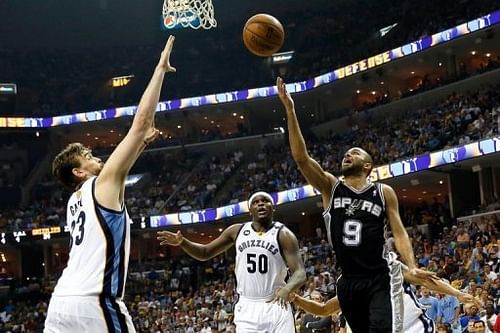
{"x": 261, "y": 211}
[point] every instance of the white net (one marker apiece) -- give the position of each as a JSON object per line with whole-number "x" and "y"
{"x": 194, "y": 14}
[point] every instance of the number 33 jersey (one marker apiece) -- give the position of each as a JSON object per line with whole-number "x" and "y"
{"x": 260, "y": 267}
{"x": 356, "y": 224}
{"x": 99, "y": 247}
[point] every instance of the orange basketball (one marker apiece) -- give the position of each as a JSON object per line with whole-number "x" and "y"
{"x": 263, "y": 35}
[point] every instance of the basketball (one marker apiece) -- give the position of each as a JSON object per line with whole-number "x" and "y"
{"x": 263, "y": 35}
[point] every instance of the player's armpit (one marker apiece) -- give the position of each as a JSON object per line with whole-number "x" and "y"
{"x": 318, "y": 178}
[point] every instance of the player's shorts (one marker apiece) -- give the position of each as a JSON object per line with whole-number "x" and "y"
{"x": 258, "y": 316}
{"x": 420, "y": 325}
{"x": 87, "y": 314}
{"x": 372, "y": 304}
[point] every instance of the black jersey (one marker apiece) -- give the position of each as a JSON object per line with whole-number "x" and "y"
{"x": 356, "y": 224}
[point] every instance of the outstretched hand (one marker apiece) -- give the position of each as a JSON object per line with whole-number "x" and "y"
{"x": 170, "y": 238}
{"x": 164, "y": 63}
{"x": 467, "y": 298}
{"x": 284, "y": 95}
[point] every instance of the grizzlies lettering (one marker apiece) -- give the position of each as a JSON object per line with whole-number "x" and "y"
{"x": 258, "y": 243}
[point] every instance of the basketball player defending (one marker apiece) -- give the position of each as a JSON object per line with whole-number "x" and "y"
{"x": 88, "y": 296}
{"x": 264, "y": 249}
{"x": 415, "y": 318}
{"x": 355, "y": 214}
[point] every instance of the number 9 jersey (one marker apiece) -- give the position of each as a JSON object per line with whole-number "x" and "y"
{"x": 100, "y": 246}
{"x": 355, "y": 223}
{"x": 260, "y": 268}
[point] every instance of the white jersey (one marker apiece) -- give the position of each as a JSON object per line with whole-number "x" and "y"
{"x": 100, "y": 246}
{"x": 415, "y": 319}
{"x": 260, "y": 268}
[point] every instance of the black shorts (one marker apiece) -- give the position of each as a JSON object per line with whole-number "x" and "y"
{"x": 372, "y": 304}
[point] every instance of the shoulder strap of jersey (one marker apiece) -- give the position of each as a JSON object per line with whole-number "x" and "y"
{"x": 242, "y": 226}
{"x": 380, "y": 188}
{"x": 280, "y": 227}
{"x": 334, "y": 187}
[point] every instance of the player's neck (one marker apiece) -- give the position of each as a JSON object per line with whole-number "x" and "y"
{"x": 357, "y": 182}
{"x": 261, "y": 226}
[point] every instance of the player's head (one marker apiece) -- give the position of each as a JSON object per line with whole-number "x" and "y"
{"x": 75, "y": 164}
{"x": 261, "y": 207}
{"x": 356, "y": 162}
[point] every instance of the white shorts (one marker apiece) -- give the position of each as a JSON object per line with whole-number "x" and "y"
{"x": 78, "y": 314}
{"x": 420, "y": 325}
{"x": 252, "y": 316}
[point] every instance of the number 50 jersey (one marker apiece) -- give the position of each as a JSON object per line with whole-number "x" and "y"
{"x": 260, "y": 267}
{"x": 100, "y": 246}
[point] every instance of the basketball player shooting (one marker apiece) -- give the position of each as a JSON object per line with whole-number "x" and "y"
{"x": 264, "y": 250}
{"x": 88, "y": 296}
{"x": 415, "y": 319}
{"x": 355, "y": 214}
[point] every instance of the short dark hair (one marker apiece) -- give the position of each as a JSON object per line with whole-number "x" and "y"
{"x": 479, "y": 322}
{"x": 368, "y": 159}
{"x": 65, "y": 161}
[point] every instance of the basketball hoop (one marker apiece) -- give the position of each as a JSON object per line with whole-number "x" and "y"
{"x": 194, "y": 14}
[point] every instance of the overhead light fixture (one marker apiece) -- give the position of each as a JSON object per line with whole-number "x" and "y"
{"x": 121, "y": 81}
{"x": 473, "y": 52}
{"x": 488, "y": 55}
{"x": 282, "y": 58}
{"x": 358, "y": 91}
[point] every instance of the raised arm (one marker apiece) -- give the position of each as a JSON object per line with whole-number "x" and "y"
{"x": 310, "y": 169}
{"x": 110, "y": 182}
{"x": 315, "y": 308}
{"x": 202, "y": 252}
{"x": 290, "y": 247}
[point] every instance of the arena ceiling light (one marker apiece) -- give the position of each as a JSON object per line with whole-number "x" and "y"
{"x": 282, "y": 57}
{"x": 385, "y": 30}
{"x": 8, "y": 89}
{"x": 121, "y": 81}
